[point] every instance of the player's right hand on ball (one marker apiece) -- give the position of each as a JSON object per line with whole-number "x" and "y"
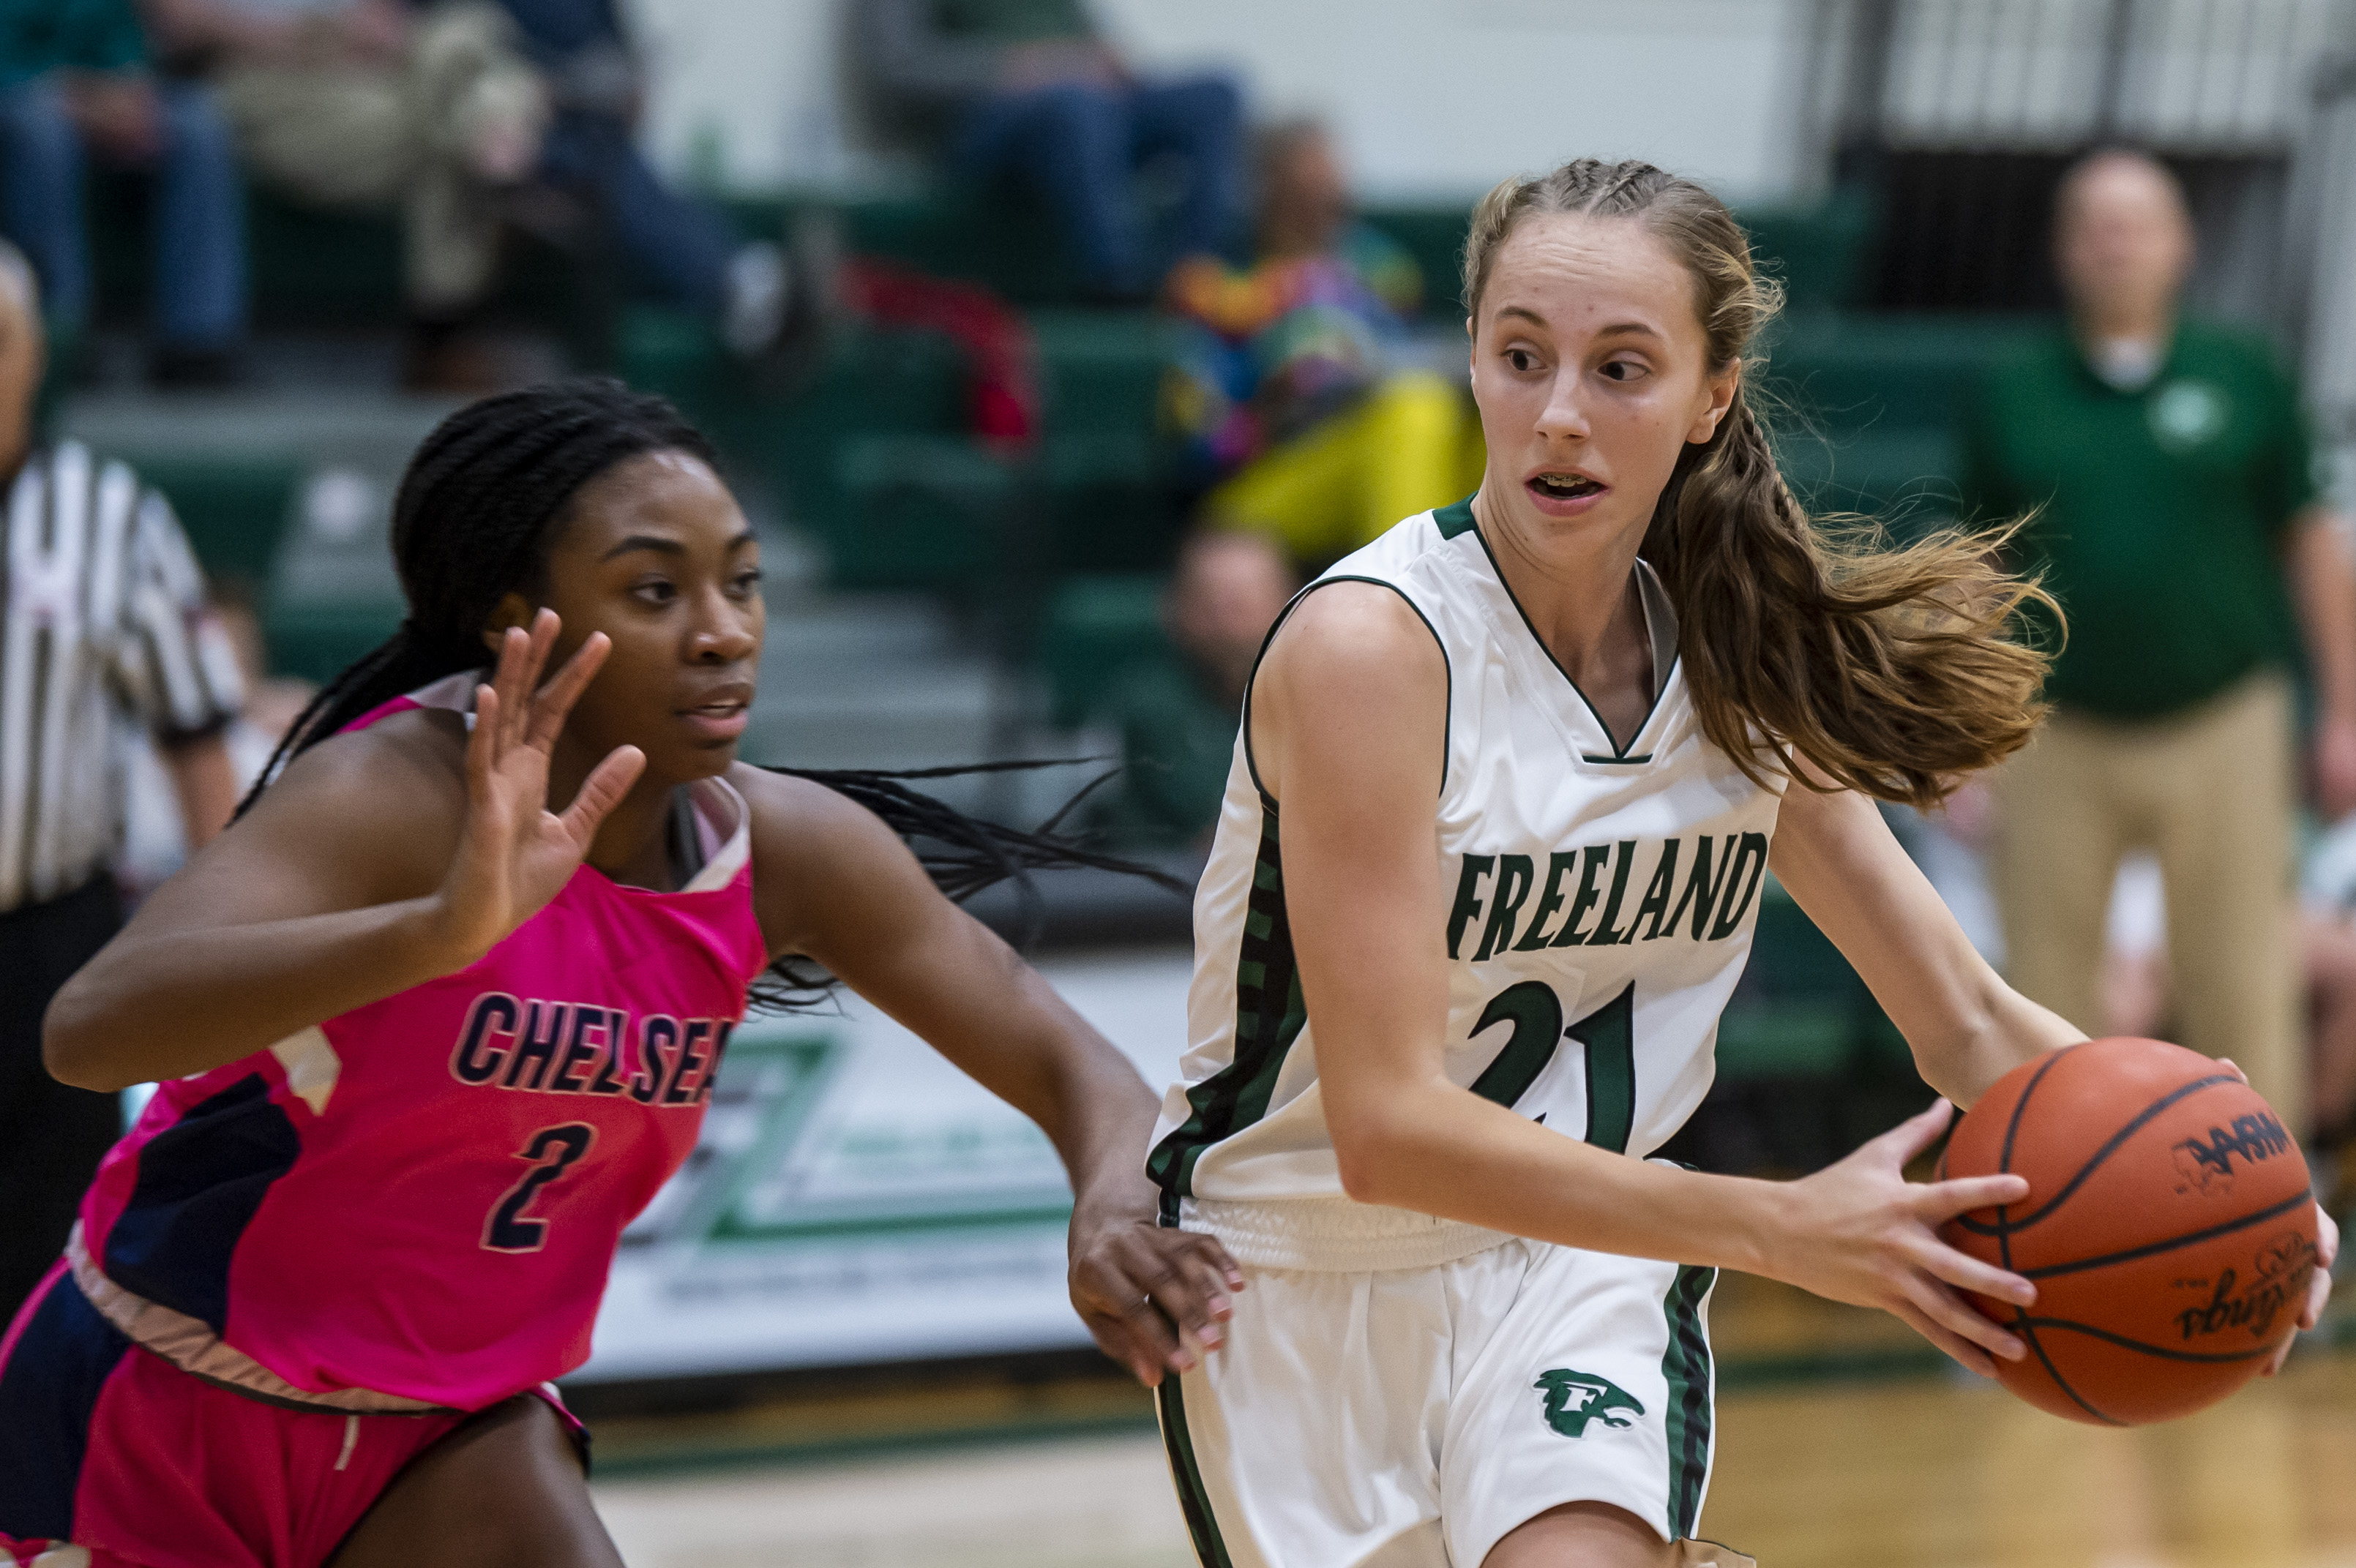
{"x": 1859, "y": 1231}
{"x": 514, "y": 854}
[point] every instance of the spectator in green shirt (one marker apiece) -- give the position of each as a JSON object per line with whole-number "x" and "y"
{"x": 2166, "y": 473}
{"x": 1177, "y": 712}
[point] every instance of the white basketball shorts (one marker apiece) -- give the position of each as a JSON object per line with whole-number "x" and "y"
{"x": 1410, "y": 1418}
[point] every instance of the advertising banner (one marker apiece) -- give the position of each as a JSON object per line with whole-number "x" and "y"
{"x": 857, "y": 1198}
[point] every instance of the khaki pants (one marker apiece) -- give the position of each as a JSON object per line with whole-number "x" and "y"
{"x": 349, "y": 136}
{"x": 2211, "y": 793}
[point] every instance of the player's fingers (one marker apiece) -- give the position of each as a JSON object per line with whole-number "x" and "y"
{"x": 602, "y": 790}
{"x": 1188, "y": 1294}
{"x": 1939, "y": 1201}
{"x": 1134, "y": 1343}
{"x": 1215, "y": 1256}
{"x": 482, "y": 745}
{"x": 2327, "y": 1239}
{"x": 1962, "y": 1351}
{"x": 1965, "y": 1271}
{"x": 1915, "y": 1134}
{"x": 1953, "y": 1313}
{"x": 507, "y": 679}
{"x": 1132, "y": 1329}
{"x": 2234, "y": 1067}
{"x": 555, "y": 700}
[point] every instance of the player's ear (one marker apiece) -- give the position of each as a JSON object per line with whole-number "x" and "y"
{"x": 512, "y": 609}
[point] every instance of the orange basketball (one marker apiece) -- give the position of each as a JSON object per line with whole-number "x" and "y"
{"x": 2168, "y": 1228}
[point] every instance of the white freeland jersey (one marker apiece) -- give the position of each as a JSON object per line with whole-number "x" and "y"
{"x": 1601, "y": 901}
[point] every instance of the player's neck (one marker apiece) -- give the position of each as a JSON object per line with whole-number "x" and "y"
{"x": 1579, "y": 590}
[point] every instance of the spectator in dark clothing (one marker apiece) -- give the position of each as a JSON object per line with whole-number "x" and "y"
{"x": 1177, "y": 712}
{"x": 74, "y": 85}
{"x": 686, "y": 248}
{"x": 1029, "y": 88}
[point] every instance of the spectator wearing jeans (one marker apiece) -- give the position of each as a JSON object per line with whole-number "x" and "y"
{"x": 364, "y": 104}
{"x": 756, "y": 294}
{"x": 1030, "y": 88}
{"x": 74, "y": 85}
{"x": 2165, "y": 473}
{"x": 102, "y": 619}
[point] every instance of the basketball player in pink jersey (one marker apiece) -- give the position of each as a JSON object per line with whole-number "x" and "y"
{"x": 438, "y": 1015}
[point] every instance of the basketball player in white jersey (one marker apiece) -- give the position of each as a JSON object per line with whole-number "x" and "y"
{"x": 1509, "y": 779}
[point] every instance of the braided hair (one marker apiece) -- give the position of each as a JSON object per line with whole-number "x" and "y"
{"x": 478, "y": 506}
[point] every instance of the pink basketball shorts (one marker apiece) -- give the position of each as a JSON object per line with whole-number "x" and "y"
{"x": 111, "y": 1448}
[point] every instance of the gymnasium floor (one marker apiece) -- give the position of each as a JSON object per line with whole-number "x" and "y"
{"x": 1841, "y": 1446}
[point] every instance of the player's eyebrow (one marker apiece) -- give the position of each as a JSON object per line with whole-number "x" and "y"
{"x": 662, "y": 546}
{"x": 1617, "y": 329}
{"x": 655, "y": 542}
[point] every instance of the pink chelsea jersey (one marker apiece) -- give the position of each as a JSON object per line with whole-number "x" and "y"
{"x": 415, "y": 1204}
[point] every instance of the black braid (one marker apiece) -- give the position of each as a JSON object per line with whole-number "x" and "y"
{"x": 962, "y": 854}
{"x": 471, "y": 524}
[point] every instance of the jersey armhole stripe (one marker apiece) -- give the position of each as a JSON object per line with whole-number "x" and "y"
{"x": 1448, "y": 707}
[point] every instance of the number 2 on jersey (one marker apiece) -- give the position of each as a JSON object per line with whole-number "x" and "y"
{"x": 1609, "y": 1033}
{"x": 552, "y": 1151}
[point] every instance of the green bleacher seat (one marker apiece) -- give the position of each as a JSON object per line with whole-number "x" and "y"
{"x": 1908, "y": 477}
{"x": 234, "y": 508}
{"x": 1817, "y": 251}
{"x": 918, "y": 511}
{"x": 316, "y": 640}
{"x": 1434, "y": 235}
{"x": 1094, "y": 624}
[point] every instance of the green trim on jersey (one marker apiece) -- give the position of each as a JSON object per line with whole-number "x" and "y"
{"x": 1456, "y": 519}
{"x": 1448, "y": 710}
{"x": 1685, "y": 1365}
{"x": 1660, "y": 676}
{"x": 1269, "y": 1016}
{"x": 1193, "y": 1498}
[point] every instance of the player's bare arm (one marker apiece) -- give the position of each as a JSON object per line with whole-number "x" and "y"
{"x": 834, "y": 884}
{"x": 1837, "y": 856}
{"x": 381, "y": 859}
{"x": 1356, "y": 781}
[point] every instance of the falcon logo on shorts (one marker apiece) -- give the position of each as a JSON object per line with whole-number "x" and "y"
{"x": 1574, "y": 1399}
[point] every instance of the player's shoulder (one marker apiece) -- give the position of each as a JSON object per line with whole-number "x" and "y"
{"x": 404, "y": 762}
{"x": 801, "y": 825}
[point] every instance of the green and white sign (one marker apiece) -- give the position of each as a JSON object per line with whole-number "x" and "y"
{"x": 857, "y": 1198}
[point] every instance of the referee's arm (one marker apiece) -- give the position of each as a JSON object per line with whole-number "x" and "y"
{"x": 183, "y": 672}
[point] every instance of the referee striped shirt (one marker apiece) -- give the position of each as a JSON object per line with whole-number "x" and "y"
{"x": 103, "y": 615}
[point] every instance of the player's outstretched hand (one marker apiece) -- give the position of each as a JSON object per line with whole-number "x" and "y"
{"x": 1155, "y": 1298}
{"x": 2319, "y": 1287}
{"x": 1859, "y": 1231}
{"x": 514, "y": 854}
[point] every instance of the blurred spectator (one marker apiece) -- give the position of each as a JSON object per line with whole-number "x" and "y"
{"x": 74, "y": 85}
{"x": 365, "y": 104}
{"x": 766, "y": 301}
{"x": 1302, "y": 383}
{"x": 1177, "y": 712}
{"x": 2165, "y": 471}
{"x": 104, "y": 617}
{"x": 1030, "y": 88}
{"x": 455, "y": 116}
